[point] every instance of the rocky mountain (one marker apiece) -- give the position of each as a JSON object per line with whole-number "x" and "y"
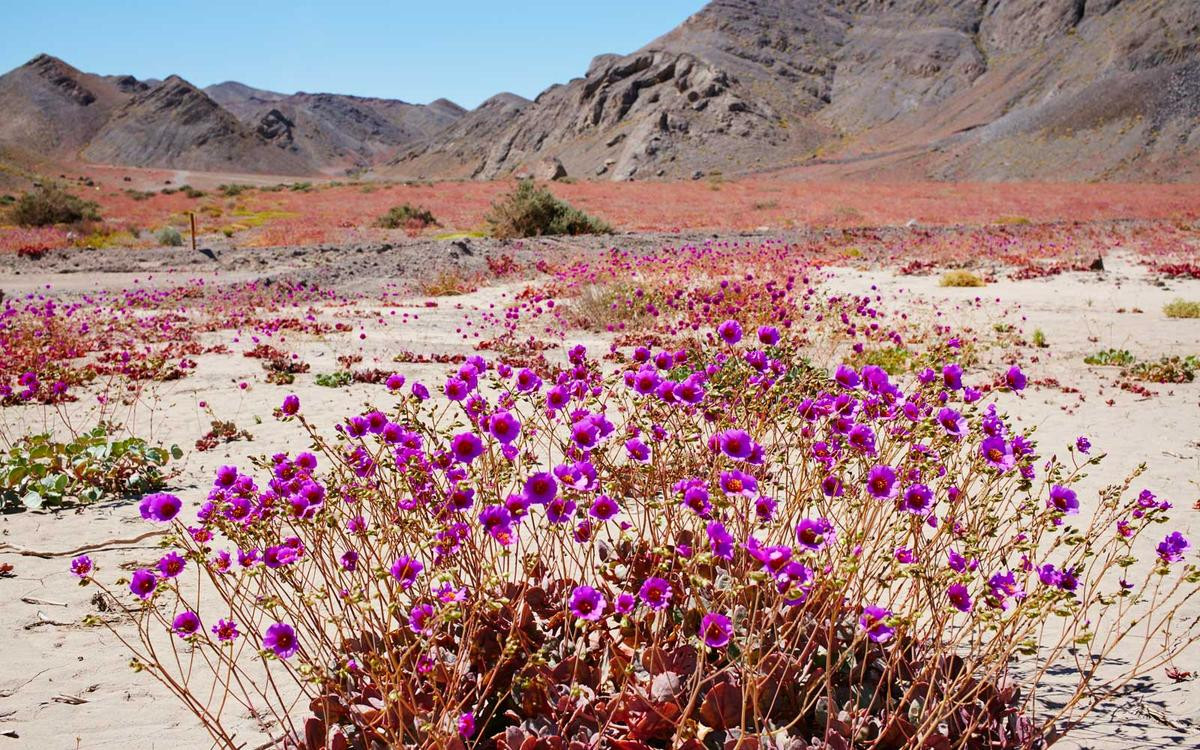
{"x": 949, "y": 89}
{"x": 50, "y": 110}
{"x": 177, "y": 125}
{"x": 904, "y": 89}
{"x": 334, "y": 130}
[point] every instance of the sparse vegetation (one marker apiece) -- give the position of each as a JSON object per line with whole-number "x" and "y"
{"x": 39, "y": 472}
{"x": 1039, "y": 338}
{"x": 1165, "y": 370}
{"x": 960, "y": 278}
{"x": 336, "y": 379}
{"x": 1182, "y": 308}
{"x": 51, "y": 205}
{"x": 1110, "y": 358}
{"x": 169, "y": 236}
{"x": 447, "y": 283}
{"x": 533, "y": 211}
{"x": 407, "y": 216}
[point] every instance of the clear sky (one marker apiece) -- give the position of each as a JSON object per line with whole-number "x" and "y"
{"x": 464, "y": 50}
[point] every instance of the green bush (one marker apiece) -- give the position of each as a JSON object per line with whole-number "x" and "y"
{"x": 533, "y": 211}
{"x": 169, "y": 236}
{"x": 38, "y": 472}
{"x": 52, "y": 205}
{"x": 407, "y": 215}
{"x": 336, "y": 379}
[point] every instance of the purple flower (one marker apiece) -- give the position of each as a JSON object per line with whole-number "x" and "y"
{"x": 734, "y": 482}
{"x": 730, "y": 332}
{"x": 466, "y": 724}
{"x": 719, "y": 540}
{"x": 395, "y": 381}
{"x": 917, "y": 499}
{"x": 1082, "y": 444}
{"x": 1171, "y": 548}
{"x": 171, "y": 565}
{"x": 560, "y": 510}
{"x": 655, "y": 592}
{"x": 814, "y": 533}
{"x": 1049, "y": 575}
{"x": 504, "y": 427}
{"x": 143, "y": 583}
{"x": 625, "y": 603}
{"x": 185, "y": 623}
{"x": 881, "y": 482}
{"x": 466, "y": 447}
{"x": 160, "y": 507}
{"x": 604, "y": 508}
{"x": 952, "y": 422}
{"x": 497, "y": 521}
{"x": 291, "y": 405}
{"x": 82, "y": 566}
{"x": 225, "y": 630}
{"x": 768, "y": 335}
{"x": 418, "y": 619}
{"x": 637, "y": 450}
{"x": 1063, "y": 500}
{"x": 527, "y": 381}
{"x": 862, "y": 439}
{"x": 959, "y": 597}
{"x": 540, "y": 488}
{"x": 587, "y": 603}
{"x": 715, "y": 630}
{"x": 405, "y": 570}
{"x": 846, "y": 377}
{"x": 874, "y": 623}
{"x": 1002, "y": 587}
{"x": 952, "y": 376}
{"x": 998, "y": 453}
{"x": 736, "y": 444}
{"x": 1015, "y": 379}
{"x": 281, "y": 638}
{"x": 420, "y": 391}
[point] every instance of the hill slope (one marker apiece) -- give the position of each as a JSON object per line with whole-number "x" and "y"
{"x": 176, "y": 125}
{"x": 965, "y": 89}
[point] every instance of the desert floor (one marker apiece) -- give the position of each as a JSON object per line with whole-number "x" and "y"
{"x": 64, "y": 684}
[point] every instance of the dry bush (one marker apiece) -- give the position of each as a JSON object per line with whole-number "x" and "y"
{"x": 1182, "y": 308}
{"x": 961, "y": 279}
{"x": 52, "y": 205}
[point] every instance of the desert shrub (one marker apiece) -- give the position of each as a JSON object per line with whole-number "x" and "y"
{"x": 960, "y": 278}
{"x": 169, "y": 236}
{"x": 447, "y": 283}
{"x": 1110, "y": 358}
{"x": 221, "y": 431}
{"x": 1165, "y": 370}
{"x": 1039, "y": 338}
{"x": 1181, "y": 308}
{"x": 233, "y": 189}
{"x": 723, "y": 544}
{"x": 532, "y": 211}
{"x": 407, "y": 216}
{"x": 38, "y": 472}
{"x": 335, "y": 379}
{"x": 611, "y": 307}
{"x": 52, "y": 205}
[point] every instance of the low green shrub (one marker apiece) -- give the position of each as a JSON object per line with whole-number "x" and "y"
{"x": 41, "y": 473}
{"x": 52, "y": 205}
{"x": 170, "y": 237}
{"x": 533, "y": 211}
{"x": 406, "y": 216}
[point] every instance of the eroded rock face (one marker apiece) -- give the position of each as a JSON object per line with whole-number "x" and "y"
{"x": 944, "y": 86}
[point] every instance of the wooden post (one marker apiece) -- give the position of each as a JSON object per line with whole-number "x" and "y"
{"x": 193, "y": 217}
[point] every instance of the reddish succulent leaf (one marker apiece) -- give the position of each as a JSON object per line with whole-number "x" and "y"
{"x": 722, "y": 706}
{"x": 314, "y": 733}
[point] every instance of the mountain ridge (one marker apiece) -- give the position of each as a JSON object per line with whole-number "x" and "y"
{"x": 908, "y": 89}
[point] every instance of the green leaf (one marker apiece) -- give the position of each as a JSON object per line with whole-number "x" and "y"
{"x": 32, "y": 500}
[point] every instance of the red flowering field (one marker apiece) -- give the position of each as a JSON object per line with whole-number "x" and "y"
{"x": 306, "y": 214}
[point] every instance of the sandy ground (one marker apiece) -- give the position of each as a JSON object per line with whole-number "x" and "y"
{"x": 65, "y": 685}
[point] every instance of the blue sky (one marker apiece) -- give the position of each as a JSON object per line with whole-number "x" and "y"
{"x": 416, "y": 51}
